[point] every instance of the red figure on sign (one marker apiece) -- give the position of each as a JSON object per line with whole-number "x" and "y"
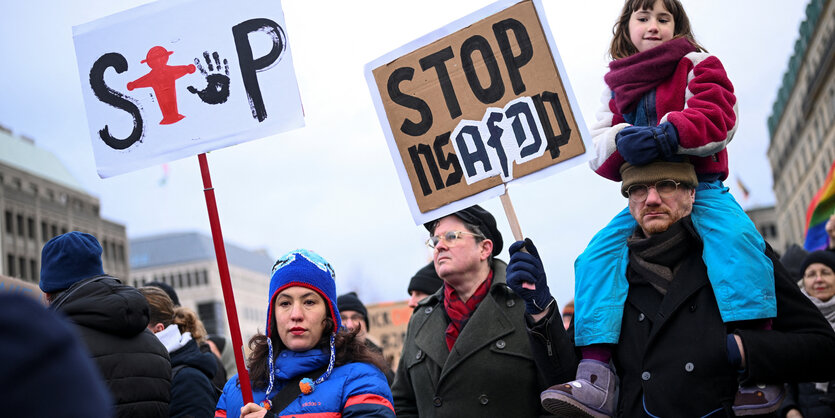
{"x": 161, "y": 78}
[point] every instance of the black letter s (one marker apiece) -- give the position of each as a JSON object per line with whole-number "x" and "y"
{"x": 408, "y": 127}
{"x": 115, "y": 99}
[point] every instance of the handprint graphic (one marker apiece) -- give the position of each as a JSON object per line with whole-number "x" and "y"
{"x": 217, "y": 79}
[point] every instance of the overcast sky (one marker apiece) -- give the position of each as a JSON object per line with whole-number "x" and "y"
{"x": 331, "y": 186}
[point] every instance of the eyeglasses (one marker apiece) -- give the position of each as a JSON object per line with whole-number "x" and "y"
{"x": 638, "y": 193}
{"x": 449, "y": 238}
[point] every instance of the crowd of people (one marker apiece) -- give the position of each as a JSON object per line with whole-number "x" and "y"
{"x": 681, "y": 308}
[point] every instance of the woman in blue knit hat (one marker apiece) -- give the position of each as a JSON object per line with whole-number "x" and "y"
{"x": 307, "y": 363}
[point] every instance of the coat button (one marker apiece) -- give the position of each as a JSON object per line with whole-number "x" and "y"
{"x": 419, "y": 354}
{"x": 641, "y": 317}
{"x": 511, "y": 303}
{"x": 689, "y": 367}
{"x": 693, "y": 308}
{"x": 500, "y": 344}
{"x": 428, "y": 310}
{"x": 645, "y": 376}
{"x": 483, "y": 399}
{"x": 437, "y": 401}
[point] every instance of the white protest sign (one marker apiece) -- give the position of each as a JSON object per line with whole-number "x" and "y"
{"x": 482, "y": 102}
{"x": 176, "y": 78}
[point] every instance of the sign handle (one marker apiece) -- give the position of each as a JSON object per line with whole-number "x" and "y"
{"x": 225, "y": 281}
{"x": 511, "y": 215}
{"x": 514, "y": 226}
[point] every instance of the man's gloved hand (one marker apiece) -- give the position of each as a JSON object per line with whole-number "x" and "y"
{"x": 526, "y": 267}
{"x": 640, "y": 145}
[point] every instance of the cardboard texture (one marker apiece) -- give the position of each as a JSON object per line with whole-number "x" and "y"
{"x": 388, "y": 323}
{"x": 13, "y": 285}
{"x": 464, "y": 79}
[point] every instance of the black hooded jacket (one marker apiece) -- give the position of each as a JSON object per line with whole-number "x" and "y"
{"x": 192, "y": 390}
{"x": 112, "y": 320}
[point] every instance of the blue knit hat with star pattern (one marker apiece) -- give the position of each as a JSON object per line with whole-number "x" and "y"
{"x": 307, "y": 269}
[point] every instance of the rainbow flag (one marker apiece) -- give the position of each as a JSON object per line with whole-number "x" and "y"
{"x": 820, "y": 209}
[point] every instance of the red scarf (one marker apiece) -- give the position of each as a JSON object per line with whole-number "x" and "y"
{"x": 632, "y": 77}
{"x": 458, "y": 311}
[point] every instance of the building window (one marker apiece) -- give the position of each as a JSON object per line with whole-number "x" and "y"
{"x": 30, "y": 224}
{"x": 9, "y": 222}
{"x": 22, "y": 265}
{"x": 33, "y": 270}
{"x": 211, "y": 313}
{"x": 206, "y": 276}
{"x": 10, "y": 265}
{"x": 44, "y": 232}
{"x": 20, "y": 226}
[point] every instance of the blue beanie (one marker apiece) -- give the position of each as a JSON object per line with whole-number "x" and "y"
{"x": 307, "y": 269}
{"x": 69, "y": 258}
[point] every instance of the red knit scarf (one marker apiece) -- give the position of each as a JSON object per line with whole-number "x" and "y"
{"x": 458, "y": 311}
{"x": 632, "y": 77}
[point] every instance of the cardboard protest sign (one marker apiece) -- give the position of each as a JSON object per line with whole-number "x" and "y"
{"x": 176, "y": 78}
{"x": 476, "y": 104}
{"x": 13, "y": 285}
{"x": 388, "y": 322}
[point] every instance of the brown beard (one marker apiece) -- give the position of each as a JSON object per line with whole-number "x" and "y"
{"x": 674, "y": 217}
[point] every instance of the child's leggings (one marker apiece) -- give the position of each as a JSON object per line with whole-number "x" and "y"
{"x": 741, "y": 274}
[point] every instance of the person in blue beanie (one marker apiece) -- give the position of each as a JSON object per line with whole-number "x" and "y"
{"x": 307, "y": 364}
{"x": 111, "y": 319}
{"x": 45, "y": 370}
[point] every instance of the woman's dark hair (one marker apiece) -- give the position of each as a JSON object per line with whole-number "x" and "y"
{"x": 348, "y": 350}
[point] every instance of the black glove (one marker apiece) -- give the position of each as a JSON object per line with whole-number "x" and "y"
{"x": 526, "y": 267}
{"x": 640, "y": 145}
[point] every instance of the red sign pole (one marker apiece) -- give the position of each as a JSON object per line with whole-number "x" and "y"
{"x": 225, "y": 282}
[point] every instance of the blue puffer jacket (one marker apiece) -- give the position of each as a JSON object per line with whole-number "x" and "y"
{"x": 352, "y": 390}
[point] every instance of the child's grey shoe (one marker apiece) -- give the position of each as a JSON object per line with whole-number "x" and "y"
{"x": 758, "y": 400}
{"x": 592, "y": 394}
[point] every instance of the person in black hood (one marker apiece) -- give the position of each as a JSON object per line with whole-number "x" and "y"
{"x": 180, "y": 330}
{"x": 111, "y": 318}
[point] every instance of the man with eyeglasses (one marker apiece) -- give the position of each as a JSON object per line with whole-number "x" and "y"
{"x": 466, "y": 351}
{"x": 674, "y": 355}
